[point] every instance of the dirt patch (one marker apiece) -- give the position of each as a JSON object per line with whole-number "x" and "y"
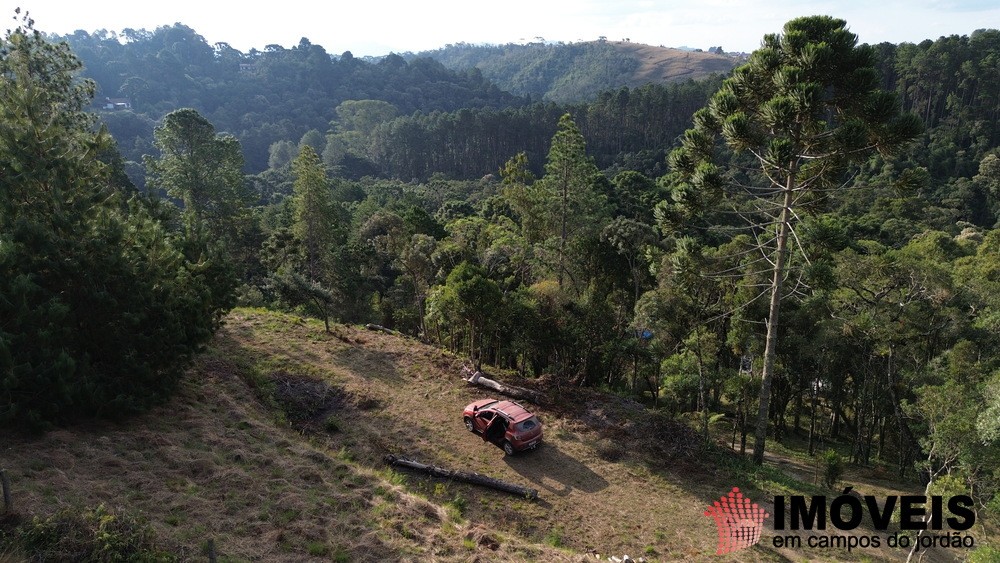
{"x": 307, "y": 402}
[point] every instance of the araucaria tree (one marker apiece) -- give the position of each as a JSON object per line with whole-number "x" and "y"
{"x": 804, "y": 108}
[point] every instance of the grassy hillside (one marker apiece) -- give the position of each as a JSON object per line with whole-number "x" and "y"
{"x": 273, "y": 450}
{"x": 576, "y": 72}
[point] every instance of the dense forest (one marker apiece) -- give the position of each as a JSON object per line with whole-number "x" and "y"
{"x": 360, "y": 113}
{"x": 810, "y": 241}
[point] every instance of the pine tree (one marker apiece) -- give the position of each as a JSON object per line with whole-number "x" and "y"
{"x": 574, "y": 207}
{"x": 100, "y": 309}
{"x": 202, "y": 170}
{"x": 309, "y": 279}
{"x": 315, "y": 215}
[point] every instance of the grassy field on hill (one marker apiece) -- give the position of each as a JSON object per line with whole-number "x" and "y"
{"x": 273, "y": 451}
{"x": 578, "y": 72}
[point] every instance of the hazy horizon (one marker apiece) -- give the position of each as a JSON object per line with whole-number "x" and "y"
{"x": 379, "y": 27}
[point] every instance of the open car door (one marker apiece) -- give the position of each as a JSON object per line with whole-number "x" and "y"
{"x": 496, "y": 430}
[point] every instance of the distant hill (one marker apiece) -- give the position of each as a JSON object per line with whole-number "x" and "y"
{"x": 577, "y": 72}
{"x": 262, "y": 96}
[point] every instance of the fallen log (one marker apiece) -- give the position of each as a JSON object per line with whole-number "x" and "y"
{"x": 380, "y": 328}
{"x": 477, "y": 378}
{"x": 464, "y": 476}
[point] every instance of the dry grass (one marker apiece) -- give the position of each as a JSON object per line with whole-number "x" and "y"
{"x": 274, "y": 446}
{"x": 665, "y": 65}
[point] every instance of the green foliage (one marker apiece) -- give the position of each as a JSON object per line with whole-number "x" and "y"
{"x": 554, "y": 537}
{"x": 469, "y": 296}
{"x": 315, "y": 217}
{"x": 317, "y": 549}
{"x": 88, "y": 535}
{"x": 984, "y": 554}
{"x": 833, "y": 468}
{"x": 889, "y": 314}
{"x": 566, "y": 193}
{"x": 803, "y": 109}
{"x": 103, "y": 306}
{"x": 420, "y": 105}
{"x": 265, "y": 96}
{"x": 456, "y": 506}
{"x": 988, "y": 421}
{"x": 202, "y": 170}
{"x": 680, "y": 382}
{"x": 281, "y": 154}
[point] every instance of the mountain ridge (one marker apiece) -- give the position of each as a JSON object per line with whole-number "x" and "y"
{"x": 577, "y": 72}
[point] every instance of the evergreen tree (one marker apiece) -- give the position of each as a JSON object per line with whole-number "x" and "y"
{"x": 806, "y": 105}
{"x": 100, "y": 309}
{"x": 202, "y": 170}
{"x": 315, "y": 214}
{"x": 574, "y": 207}
{"x": 309, "y": 278}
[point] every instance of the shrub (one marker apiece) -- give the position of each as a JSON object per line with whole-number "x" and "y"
{"x": 833, "y": 468}
{"x": 89, "y": 535}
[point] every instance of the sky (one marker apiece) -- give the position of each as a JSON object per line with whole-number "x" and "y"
{"x": 379, "y": 27}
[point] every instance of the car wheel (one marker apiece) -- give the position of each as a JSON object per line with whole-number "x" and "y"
{"x": 508, "y": 448}
{"x": 469, "y": 424}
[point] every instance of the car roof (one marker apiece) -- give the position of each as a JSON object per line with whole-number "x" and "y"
{"x": 512, "y": 410}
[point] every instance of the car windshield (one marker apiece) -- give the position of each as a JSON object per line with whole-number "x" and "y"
{"x": 529, "y": 424}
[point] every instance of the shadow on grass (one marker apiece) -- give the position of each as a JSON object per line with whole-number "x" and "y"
{"x": 767, "y": 478}
{"x": 552, "y": 469}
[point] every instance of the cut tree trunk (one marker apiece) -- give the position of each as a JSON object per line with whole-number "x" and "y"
{"x": 464, "y": 476}
{"x": 477, "y": 378}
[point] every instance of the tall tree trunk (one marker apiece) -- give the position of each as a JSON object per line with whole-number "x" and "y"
{"x": 736, "y": 428}
{"x": 798, "y": 405}
{"x": 881, "y": 437}
{"x": 563, "y": 231}
{"x": 701, "y": 397}
{"x": 835, "y": 419}
{"x": 812, "y": 418}
{"x": 906, "y": 438}
{"x": 771, "y": 347}
{"x": 857, "y": 448}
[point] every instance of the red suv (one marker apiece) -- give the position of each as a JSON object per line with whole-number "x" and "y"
{"x": 504, "y": 423}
